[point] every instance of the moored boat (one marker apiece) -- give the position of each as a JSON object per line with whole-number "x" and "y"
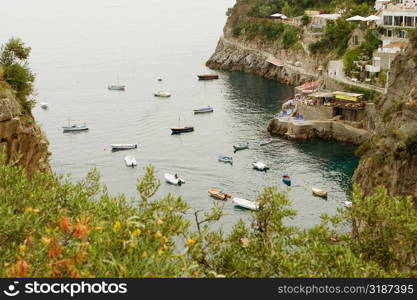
{"x": 241, "y": 146}
{"x": 44, "y": 105}
{"x": 319, "y": 192}
{"x": 203, "y": 110}
{"x": 75, "y": 127}
{"x": 123, "y": 146}
{"x": 226, "y": 159}
{"x": 173, "y": 179}
{"x": 218, "y": 194}
{"x": 130, "y": 161}
{"x": 286, "y": 179}
{"x": 260, "y": 166}
{"x": 208, "y": 76}
{"x": 243, "y": 203}
{"x": 265, "y": 141}
{"x": 162, "y": 94}
{"x": 177, "y": 130}
{"x": 115, "y": 87}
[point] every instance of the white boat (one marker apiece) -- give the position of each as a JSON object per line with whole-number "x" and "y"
{"x": 75, "y": 127}
{"x": 173, "y": 179}
{"x": 265, "y": 141}
{"x": 123, "y": 146}
{"x": 44, "y": 105}
{"x": 116, "y": 87}
{"x": 203, "y": 110}
{"x": 162, "y": 94}
{"x": 252, "y": 205}
{"x": 130, "y": 161}
{"x": 319, "y": 192}
{"x": 260, "y": 166}
{"x": 348, "y": 203}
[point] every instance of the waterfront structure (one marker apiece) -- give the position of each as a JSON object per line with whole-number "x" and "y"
{"x": 396, "y": 18}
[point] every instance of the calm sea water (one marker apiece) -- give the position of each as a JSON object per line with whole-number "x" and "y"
{"x": 79, "y": 47}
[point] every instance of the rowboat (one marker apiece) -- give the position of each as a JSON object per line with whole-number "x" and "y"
{"x": 123, "y": 146}
{"x": 265, "y": 141}
{"x": 252, "y": 205}
{"x": 207, "y": 76}
{"x": 130, "y": 161}
{"x": 44, "y": 105}
{"x": 74, "y": 127}
{"x": 319, "y": 192}
{"x": 218, "y": 194}
{"x": 226, "y": 159}
{"x": 260, "y": 166}
{"x": 286, "y": 179}
{"x": 203, "y": 110}
{"x": 241, "y": 146}
{"x": 174, "y": 179}
{"x": 115, "y": 87}
{"x": 162, "y": 94}
{"x": 178, "y": 130}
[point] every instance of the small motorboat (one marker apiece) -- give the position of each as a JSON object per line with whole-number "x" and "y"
{"x": 243, "y": 203}
{"x": 265, "y": 141}
{"x": 226, "y": 159}
{"x": 177, "y": 130}
{"x": 74, "y": 128}
{"x": 162, "y": 94}
{"x": 115, "y": 147}
{"x": 115, "y": 87}
{"x": 260, "y": 166}
{"x": 174, "y": 179}
{"x": 130, "y": 161}
{"x": 286, "y": 179}
{"x": 319, "y": 192}
{"x": 218, "y": 194}
{"x": 207, "y": 76}
{"x": 348, "y": 203}
{"x": 241, "y": 146}
{"x": 203, "y": 110}
{"x": 44, "y": 105}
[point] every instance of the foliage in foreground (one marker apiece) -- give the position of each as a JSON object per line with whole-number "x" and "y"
{"x": 51, "y": 227}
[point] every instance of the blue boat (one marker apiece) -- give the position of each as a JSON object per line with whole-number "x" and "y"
{"x": 286, "y": 179}
{"x": 226, "y": 159}
{"x": 241, "y": 146}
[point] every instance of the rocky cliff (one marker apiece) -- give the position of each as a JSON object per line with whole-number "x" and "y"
{"x": 21, "y": 139}
{"x": 389, "y": 158}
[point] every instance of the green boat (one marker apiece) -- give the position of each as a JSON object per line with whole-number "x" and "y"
{"x": 241, "y": 146}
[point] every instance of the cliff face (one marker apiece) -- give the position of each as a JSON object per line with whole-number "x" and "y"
{"x": 390, "y": 156}
{"x": 21, "y": 139}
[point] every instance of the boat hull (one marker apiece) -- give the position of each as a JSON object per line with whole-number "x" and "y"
{"x": 319, "y": 192}
{"x": 162, "y": 94}
{"x": 182, "y": 130}
{"x": 208, "y": 76}
{"x": 215, "y": 193}
{"x": 226, "y": 159}
{"x": 246, "y": 204}
{"x": 74, "y": 129}
{"x": 130, "y": 161}
{"x": 240, "y": 147}
{"x": 172, "y": 180}
{"x": 260, "y": 166}
{"x": 203, "y": 110}
{"x": 265, "y": 142}
{"x": 117, "y": 87}
{"x": 116, "y": 147}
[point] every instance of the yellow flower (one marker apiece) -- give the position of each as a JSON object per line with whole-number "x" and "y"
{"x": 137, "y": 232}
{"x": 117, "y": 226}
{"x": 158, "y": 234}
{"x": 29, "y": 209}
{"x": 45, "y": 240}
{"x": 160, "y": 222}
{"x": 144, "y": 254}
{"x": 191, "y": 242}
{"x": 22, "y": 248}
{"x": 160, "y": 251}
{"x": 165, "y": 247}
{"x": 133, "y": 244}
{"x": 99, "y": 228}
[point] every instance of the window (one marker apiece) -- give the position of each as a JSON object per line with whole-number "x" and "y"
{"x": 355, "y": 40}
{"x": 409, "y": 21}
{"x": 388, "y": 20}
{"x": 389, "y": 33}
{"x": 401, "y": 34}
{"x": 415, "y": 22}
{"x": 398, "y": 21}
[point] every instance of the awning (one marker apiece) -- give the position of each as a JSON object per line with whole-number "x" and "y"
{"x": 347, "y": 96}
{"x": 322, "y": 95}
{"x": 275, "y": 61}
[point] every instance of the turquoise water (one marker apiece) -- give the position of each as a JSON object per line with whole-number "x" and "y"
{"x": 79, "y": 47}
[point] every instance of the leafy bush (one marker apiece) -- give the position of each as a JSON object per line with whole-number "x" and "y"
{"x": 349, "y": 59}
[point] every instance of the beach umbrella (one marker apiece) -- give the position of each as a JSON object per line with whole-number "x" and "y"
{"x": 372, "y": 18}
{"x": 356, "y": 18}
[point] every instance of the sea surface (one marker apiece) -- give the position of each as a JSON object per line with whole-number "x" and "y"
{"x": 80, "y": 47}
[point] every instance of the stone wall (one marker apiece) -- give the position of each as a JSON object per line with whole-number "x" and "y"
{"x": 315, "y": 112}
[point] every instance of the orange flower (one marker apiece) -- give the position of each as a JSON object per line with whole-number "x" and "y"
{"x": 65, "y": 224}
{"x": 21, "y": 268}
{"x": 54, "y": 250}
{"x": 82, "y": 228}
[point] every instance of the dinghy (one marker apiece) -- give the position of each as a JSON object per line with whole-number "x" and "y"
{"x": 115, "y": 87}
{"x": 123, "y": 146}
{"x": 162, "y": 94}
{"x": 203, "y": 110}
{"x": 130, "y": 161}
{"x": 218, "y": 194}
{"x": 286, "y": 179}
{"x": 241, "y": 146}
{"x": 44, "y": 105}
{"x": 260, "y": 166}
{"x": 319, "y": 192}
{"x": 178, "y": 130}
{"x": 75, "y": 127}
{"x": 207, "y": 76}
{"x": 265, "y": 141}
{"x": 226, "y": 159}
{"x": 173, "y": 179}
{"x": 246, "y": 203}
